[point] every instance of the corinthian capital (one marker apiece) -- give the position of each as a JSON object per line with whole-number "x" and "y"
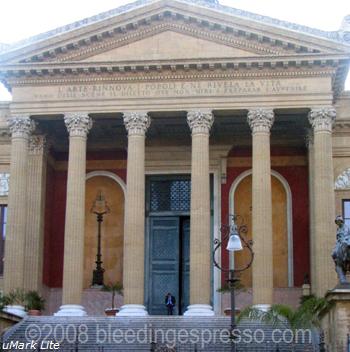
{"x": 261, "y": 120}
{"x": 322, "y": 119}
{"x": 136, "y": 123}
{"x": 200, "y": 121}
{"x": 21, "y": 126}
{"x": 78, "y": 124}
{"x": 38, "y": 144}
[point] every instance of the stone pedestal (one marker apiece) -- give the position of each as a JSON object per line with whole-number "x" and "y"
{"x": 132, "y": 310}
{"x": 339, "y": 318}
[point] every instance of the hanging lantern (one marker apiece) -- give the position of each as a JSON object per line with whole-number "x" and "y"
{"x": 234, "y": 243}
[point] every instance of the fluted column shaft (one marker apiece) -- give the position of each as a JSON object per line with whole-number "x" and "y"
{"x": 260, "y": 121}
{"x": 78, "y": 126}
{"x": 311, "y": 169}
{"x": 20, "y": 128}
{"x": 322, "y": 120}
{"x": 33, "y": 267}
{"x": 136, "y": 124}
{"x": 200, "y": 123}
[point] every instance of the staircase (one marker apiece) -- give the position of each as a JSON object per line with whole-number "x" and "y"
{"x": 153, "y": 334}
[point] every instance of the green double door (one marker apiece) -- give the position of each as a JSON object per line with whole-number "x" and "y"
{"x": 169, "y": 262}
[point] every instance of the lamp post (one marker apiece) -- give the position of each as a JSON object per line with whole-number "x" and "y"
{"x": 234, "y": 234}
{"x": 100, "y": 208}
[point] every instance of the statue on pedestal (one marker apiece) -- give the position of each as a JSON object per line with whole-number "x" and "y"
{"x": 341, "y": 252}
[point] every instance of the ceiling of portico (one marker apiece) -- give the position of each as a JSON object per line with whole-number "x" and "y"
{"x": 171, "y": 129}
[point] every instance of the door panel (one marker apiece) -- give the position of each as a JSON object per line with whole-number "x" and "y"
{"x": 164, "y": 262}
{"x": 185, "y": 265}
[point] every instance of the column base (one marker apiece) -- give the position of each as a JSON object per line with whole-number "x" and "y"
{"x": 199, "y": 310}
{"x": 15, "y": 310}
{"x": 71, "y": 310}
{"x": 132, "y": 310}
{"x": 262, "y": 307}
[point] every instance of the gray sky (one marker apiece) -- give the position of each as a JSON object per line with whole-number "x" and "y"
{"x": 20, "y": 19}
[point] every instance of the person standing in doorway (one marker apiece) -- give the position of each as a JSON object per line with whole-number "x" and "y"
{"x": 170, "y": 302}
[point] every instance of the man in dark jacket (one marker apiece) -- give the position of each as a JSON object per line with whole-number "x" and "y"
{"x": 170, "y": 302}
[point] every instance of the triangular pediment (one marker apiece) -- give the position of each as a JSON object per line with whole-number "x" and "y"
{"x": 169, "y": 45}
{"x": 171, "y": 27}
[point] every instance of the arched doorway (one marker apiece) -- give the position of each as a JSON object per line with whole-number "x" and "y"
{"x": 241, "y": 203}
{"x": 113, "y": 188}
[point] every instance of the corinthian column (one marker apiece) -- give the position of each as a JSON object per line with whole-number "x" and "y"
{"x": 260, "y": 122}
{"x": 20, "y": 128}
{"x": 78, "y": 126}
{"x": 309, "y": 141}
{"x": 33, "y": 267}
{"x": 200, "y": 123}
{"x": 324, "y": 276}
{"x": 136, "y": 123}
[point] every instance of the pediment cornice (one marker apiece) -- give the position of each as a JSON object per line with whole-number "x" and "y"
{"x": 261, "y": 38}
{"x": 124, "y": 37}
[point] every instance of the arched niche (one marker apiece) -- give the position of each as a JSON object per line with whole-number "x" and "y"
{"x": 241, "y": 203}
{"x": 113, "y": 188}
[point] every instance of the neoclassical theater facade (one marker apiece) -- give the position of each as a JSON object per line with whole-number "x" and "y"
{"x": 180, "y": 113}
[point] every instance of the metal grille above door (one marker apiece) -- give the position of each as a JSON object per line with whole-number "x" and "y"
{"x": 172, "y": 195}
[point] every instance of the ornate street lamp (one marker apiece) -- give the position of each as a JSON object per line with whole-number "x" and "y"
{"x": 100, "y": 208}
{"x": 236, "y": 241}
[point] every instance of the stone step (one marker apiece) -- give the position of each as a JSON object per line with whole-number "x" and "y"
{"x": 153, "y": 333}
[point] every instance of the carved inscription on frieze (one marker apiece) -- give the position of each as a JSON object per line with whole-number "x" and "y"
{"x": 179, "y": 89}
{"x": 172, "y": 89}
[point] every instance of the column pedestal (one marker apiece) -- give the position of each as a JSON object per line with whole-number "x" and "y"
{"x": 71, "y": 310}
{"x": 339, "y": 319}
{"x": 133, "y": 310}
{"x": 17, "y": 310}
{"x": 199, "y": 310}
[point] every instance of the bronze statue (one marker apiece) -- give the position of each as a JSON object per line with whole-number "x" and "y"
{"x": 341, "y": 252}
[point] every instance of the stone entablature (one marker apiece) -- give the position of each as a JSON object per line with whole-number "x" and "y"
{"x": 199, "y": 89}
